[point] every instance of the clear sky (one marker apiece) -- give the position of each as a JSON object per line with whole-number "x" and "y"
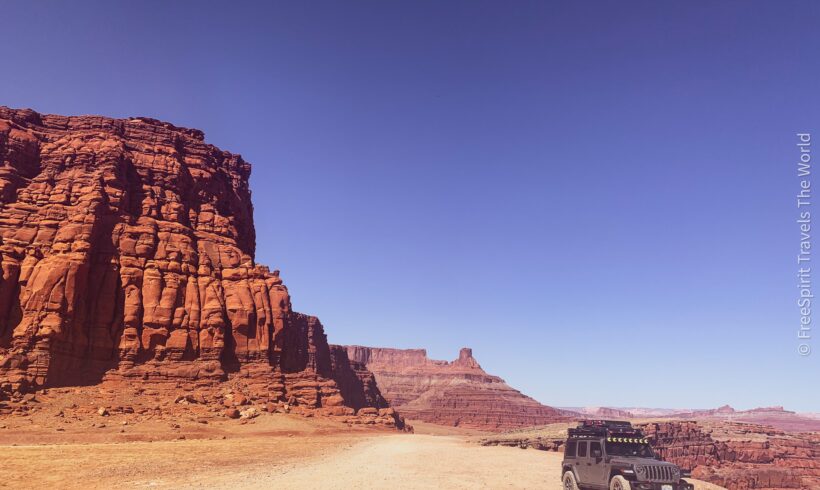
{"x": 597, "y": 197}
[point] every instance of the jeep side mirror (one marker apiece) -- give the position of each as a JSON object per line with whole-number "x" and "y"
{"x": 596, "y": 453}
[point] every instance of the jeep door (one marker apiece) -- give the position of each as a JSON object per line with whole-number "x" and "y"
{"x": 598, "y": 469}
{"x": 581, "y": 461}
{"x": 590, "y": 466}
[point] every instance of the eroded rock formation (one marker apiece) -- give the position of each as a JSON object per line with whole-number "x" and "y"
{"x": 127, "y": 252}
{"x": 740, "y": 456}
{"x": 737, "y": 456}
{"x": 458, "y": 393}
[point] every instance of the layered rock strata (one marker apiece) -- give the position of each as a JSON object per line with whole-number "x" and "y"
{"x": 736, "y": 456}
{"x": 740, "y": 456}
{"x": 458, "y": 393}
{"x": 127, "y": 253}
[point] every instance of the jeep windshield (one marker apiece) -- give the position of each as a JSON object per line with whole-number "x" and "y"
{"x": 629, "y": 449}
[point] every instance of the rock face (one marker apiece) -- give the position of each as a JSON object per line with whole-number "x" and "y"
{"x": 127, "y": 253}
{"x": 356, "y": 381}
{"x": 457, "y": 393}
{"x": 740, "y": 456}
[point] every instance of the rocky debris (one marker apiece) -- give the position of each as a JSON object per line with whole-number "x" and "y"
{"x": 739, "y": 456}
{"x": 249, "y": 413}
{"x": 140, "y": 417}
{"x": 458, "y": 393}
{"x": 551, "y": 437}
{"x": 524, "y": 442}
{"x": 127, "y": 258}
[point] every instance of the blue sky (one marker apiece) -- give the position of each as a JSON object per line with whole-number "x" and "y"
{"x": 579, "y": 191}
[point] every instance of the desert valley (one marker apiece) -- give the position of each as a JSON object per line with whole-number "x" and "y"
{"x": 142, "y": 345}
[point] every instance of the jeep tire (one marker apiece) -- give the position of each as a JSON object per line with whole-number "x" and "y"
{"x": 619, "y": 483}
{"x": 569, "y": 481}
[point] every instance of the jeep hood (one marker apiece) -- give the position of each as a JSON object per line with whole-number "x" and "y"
{"x": 627, "y": 461}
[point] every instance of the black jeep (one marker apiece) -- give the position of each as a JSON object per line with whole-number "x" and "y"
{"x": 606, "y": 454}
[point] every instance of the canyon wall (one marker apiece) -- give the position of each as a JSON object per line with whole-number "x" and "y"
{"x": 458, "y": 393}
{"x": 739, "y": 456}
{"x": 736, "y": 456}
{"x": 127, "y": 253}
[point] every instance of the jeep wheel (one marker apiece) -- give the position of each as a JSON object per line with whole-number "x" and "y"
{"x": 619, "y": 483}
{"x": 569, "y": 481}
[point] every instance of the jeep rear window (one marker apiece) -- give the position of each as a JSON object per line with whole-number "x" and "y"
{"x": 582, "y": 449}
{"x": 569, "y": 451}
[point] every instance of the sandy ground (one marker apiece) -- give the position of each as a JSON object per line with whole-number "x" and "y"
{"x": 416, "y": 462}
{"x": 50, "y": 449}
{"x": 411, "y": 462}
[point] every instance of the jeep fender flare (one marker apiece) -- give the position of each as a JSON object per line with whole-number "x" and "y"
{"x": 620, "y": 471}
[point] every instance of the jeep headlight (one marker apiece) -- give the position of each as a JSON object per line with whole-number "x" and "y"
{"x": 640, "y": 472}
{"x": 675, "y": 473}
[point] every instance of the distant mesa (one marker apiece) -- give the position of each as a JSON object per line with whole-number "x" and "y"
{"x": 776, "y": 416}
{"x": 458, "y": 393}
{"x": 608, "y": 413}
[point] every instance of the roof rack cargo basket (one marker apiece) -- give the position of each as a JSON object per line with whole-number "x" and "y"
{"x": 604, "y": 428}
{"x": 605, "y": 424}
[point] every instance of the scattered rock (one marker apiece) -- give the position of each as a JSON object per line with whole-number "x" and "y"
{"x": 249, "y": 413}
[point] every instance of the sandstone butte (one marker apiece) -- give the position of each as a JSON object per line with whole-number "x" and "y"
{"x": 127, "y": 255}
{"x": 458, "y": 393}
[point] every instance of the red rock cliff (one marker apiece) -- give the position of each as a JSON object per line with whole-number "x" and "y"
{"x": 127, "y": 251}
{"x": 740, "y": 456}
{"x": 458, "y": 393}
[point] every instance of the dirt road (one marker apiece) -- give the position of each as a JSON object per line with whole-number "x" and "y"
{"x": 271, "y": 452}
{"x": 412, "y": 462}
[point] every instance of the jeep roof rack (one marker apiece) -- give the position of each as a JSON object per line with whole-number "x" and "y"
{"x": 607, "y": 424}
{"x": 604, "y": 428}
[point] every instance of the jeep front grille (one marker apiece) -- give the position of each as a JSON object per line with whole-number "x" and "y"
{"x": 659, "y": 473}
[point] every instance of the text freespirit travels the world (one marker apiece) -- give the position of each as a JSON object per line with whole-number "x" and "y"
{"x": 804, "y": 197}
